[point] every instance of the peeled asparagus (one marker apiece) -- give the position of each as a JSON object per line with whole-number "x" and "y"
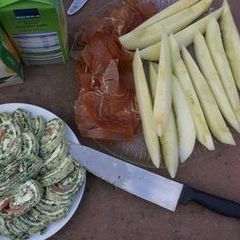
{"x": 169, "y": 139}
{"x": 211, "y": 75}
{"x": 180, "y": 71}
{"x": 146, "y": 112}
{"x": 163, "y": 93}
{"x": 152, "y": 34}
{"x": 172, "y": 9}
{"x": 210, "y": 108}
{"x": 185, "y": 125}
{"x": 231, "y": 41}
{"x": 169, "y": 146}
{"x": 184, "y": 37}
{"x": 215, "y": 45}
{"x": 153, "y": 72}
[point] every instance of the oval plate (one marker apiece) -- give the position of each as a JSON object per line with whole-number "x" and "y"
{"x": 70, "y": 136}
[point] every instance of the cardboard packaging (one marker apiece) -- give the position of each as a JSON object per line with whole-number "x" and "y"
{"x": 11, "y": 71}
{"x": 38, "y": 29}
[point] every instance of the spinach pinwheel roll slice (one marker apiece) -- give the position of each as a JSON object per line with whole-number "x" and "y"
{"x": 66, "y": 188}
{"x": 8, "y": 230}
{"x": 17, "y": 173}
{"x": 7, "y": 187}
{"x": 50, "y": 215}
{"x": 3, "y": 230}
{"x": 9, "y": 171}
{"x": 4, "y": 117}
{"x": 55, "y": 159}
{"x": 30, "y": 168}
{"x": 54, "y": 204}
{"x": 59, "y": 173}
{"x": 23, "y": 172}
{"x": 30, "y": 145}
{"x": 30, "y": 224}
{"x": 27, "y": 196}
{"x": 53, "y": 133}
{"x": 10, "y": 142}
{"x": 21, "y": 227}
{"x": 14, "y": 232}
{"x": 22, "y": 119}
{"x": 38, "y": 126}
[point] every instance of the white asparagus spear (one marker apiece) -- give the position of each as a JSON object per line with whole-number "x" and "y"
{"x": 152, "y": 34}
{"x": 185, "y": 125}
{"x": 169, "y": 139}
{"x": 153, "y": 72}
{"x": 166, "y": 12}
{"x": 210, "y": 108}
{"x": 169, "y": 146}
{"x": 211, "y": 75}
{"x": 184, "y": 37}
{"x": 215, "y": 45}
{"x": 146, "y": 110}
{"x": 180, "y": 70}
{"x": 231, "y": 40}
{"x": 163, "y": 93}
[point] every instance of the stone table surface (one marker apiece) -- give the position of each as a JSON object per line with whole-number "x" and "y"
{"x": 107, "y": 213}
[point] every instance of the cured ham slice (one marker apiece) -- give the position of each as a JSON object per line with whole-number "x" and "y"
{"x": 106, "y": 106}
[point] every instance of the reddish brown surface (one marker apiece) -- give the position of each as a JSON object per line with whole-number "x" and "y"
{"x": 105, "y": 79}
{"x": 107, "y": 213}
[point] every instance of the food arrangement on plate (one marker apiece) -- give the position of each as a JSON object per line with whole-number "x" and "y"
{"x": 39, "y": 179}
{"x": 177, "y": 98}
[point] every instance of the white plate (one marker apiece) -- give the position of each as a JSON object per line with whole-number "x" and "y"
{"x": 70, "y": 136}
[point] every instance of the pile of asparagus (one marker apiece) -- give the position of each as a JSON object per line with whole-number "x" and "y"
{"x": 184, "y": 99}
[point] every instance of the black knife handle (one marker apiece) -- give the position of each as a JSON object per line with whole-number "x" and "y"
{"x": 217, "y": 204}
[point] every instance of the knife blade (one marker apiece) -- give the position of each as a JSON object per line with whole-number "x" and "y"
{"x": 147, "y": 185}
{"x": 76, "y": 6}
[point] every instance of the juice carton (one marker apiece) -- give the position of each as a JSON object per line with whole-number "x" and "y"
{"x": 11, "y": 71}
{"x": 38, "y": 29}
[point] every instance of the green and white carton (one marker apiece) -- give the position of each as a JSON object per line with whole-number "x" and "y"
{"x": 38, "y": 29}
{"x": 11, "y": 71}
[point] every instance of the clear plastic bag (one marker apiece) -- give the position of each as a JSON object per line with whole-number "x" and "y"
{"x": 135, "y": 150}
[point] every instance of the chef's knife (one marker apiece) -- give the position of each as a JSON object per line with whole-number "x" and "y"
{"x": 76, "y": 6}
{"x": 147, "y": 185}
